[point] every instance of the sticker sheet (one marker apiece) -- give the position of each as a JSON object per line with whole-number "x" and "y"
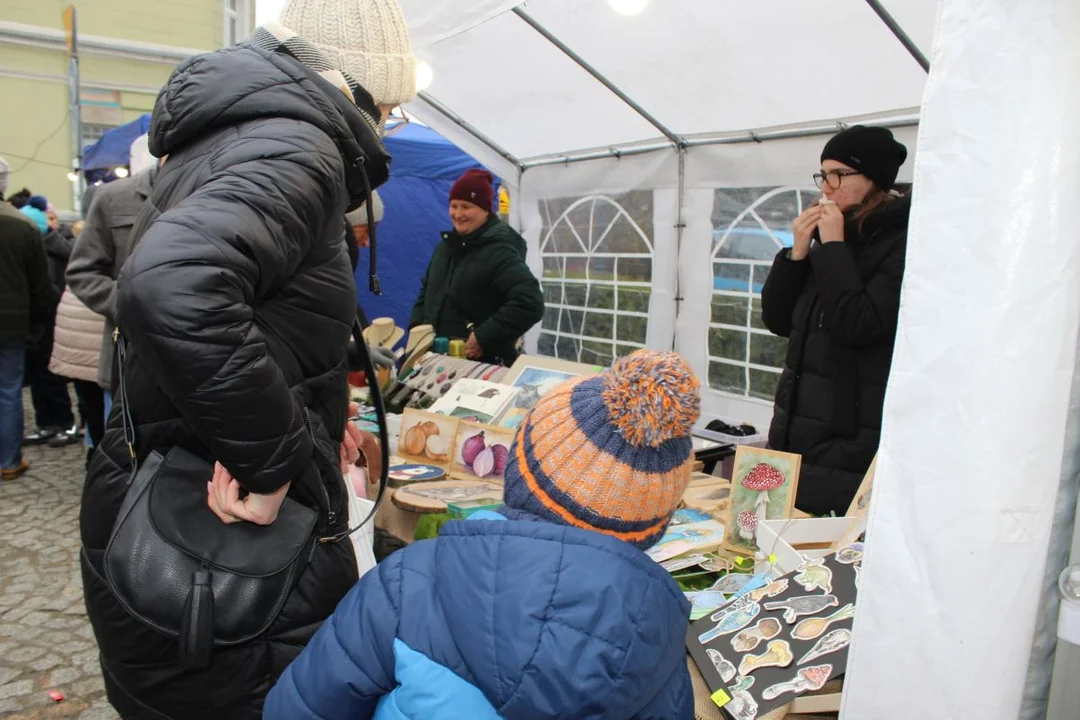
{"x": 768, "y": 646}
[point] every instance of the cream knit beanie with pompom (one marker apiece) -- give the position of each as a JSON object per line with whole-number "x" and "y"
{"x": 367, "y": 39}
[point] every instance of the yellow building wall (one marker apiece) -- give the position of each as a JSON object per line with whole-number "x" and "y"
{"x": 34, "y": 79}
{"x": 180, "y": 23}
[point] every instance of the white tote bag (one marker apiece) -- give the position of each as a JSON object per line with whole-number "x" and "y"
{"x": 363, "y": 540}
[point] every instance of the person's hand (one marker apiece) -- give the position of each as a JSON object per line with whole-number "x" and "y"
{"x": 223, "y": 498}
{"x": 831, "y": 224}
{"x": 381, "y": 357}
{"x": 473, "y": 351}
{"x": 350, "y": 442}
{"x": 804, "y": 230}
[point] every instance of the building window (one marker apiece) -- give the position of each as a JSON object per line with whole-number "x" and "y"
{"x": 750, "y": 225}
{"x": 236, "y": 21}
{"x": 597, "y": 255}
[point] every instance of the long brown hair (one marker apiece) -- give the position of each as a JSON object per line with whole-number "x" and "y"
{"x": 874, "y": 201}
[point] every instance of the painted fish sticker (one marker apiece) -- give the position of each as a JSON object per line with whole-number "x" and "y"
{"x": 725, "y": 668}
{"x": 730, "y": 583}
{"x": 802, "y": 605}
{"x": 773, "y": 589}
{"x": 811, "y": 628}
{"x": 814, "y": 575}
{"x": 751, "y": 637}
{"x": 833, "y": 641}
{"x": 706, "y": 600}
{"x": 778, "y": 654}
{"x": 811, "y": 678}
{"x": 730, "y": 622}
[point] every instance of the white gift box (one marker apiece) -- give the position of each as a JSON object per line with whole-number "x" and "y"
{"x": 792, "y": 541}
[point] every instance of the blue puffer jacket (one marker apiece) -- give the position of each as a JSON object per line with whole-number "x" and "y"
{"x": 506, "y": 619}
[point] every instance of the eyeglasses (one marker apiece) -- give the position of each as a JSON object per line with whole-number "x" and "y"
{"x": 833, "y": 178}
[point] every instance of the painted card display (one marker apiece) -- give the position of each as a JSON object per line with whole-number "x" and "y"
{"x": 427, "y": 438}
{"x": 788, "y": 639}
{"x": 763, "y": 488}
{"x": 469, "y": 398}
{"x": 481, "y": 452}
{"x": 679, "y": 540}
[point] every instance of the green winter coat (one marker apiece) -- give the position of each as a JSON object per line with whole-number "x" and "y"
{"x": 481, "y": 279}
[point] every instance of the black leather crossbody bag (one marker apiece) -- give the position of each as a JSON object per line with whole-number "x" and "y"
{"x": 177, "y": 568}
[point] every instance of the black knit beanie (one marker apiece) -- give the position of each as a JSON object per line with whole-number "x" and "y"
{"x": 871, "y": 150}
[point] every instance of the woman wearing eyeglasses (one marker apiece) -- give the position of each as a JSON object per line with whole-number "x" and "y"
{"x": 836, "y": 296}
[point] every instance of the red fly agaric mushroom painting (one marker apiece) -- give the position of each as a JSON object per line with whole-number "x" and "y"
{"x": 763, "y": 487}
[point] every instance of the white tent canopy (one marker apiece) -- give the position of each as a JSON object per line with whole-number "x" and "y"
{"x": 571, "y": 102}
{"x": 657, "y": 161}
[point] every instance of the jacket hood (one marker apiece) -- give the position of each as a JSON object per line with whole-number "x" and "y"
{"x": 242, "y": 83}
{"x": 549, "y": 617}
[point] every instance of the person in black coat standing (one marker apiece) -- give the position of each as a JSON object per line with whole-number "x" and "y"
{"x": 836, "y": 296}
{"x": 237, "y": 305}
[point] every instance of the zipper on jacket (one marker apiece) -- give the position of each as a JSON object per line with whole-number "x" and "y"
{"x": 322, "y": 486}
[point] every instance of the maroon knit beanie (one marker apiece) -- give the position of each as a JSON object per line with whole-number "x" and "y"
{"x": 476, "y": 187}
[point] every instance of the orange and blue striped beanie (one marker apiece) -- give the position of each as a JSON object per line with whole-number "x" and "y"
{"x": 610, "y": 453}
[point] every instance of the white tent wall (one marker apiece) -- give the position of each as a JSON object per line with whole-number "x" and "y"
{"x": 971, "y": 455}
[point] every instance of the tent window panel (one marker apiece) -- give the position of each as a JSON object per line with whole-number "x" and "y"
{"x": 728, "y": 344}
{"x": 746, "y": 241}
{"x": 633, "y": 299}
{"x": 602, "y": 268}
{"x": 552, "y": 267}
{"x": 566, "y": 348}
{"x": 598, "y": 325}
{"x": 635, "y": 269}
{"x": 573, "y": 321}
{"x": 596, "y": 353}
{"x": 551, "y": 318}
{"x": 729, "y": 203}
{"x": 546, "y": 344}
{"x": 624, "y": 350}
{"x": 767, "y": 350}
{"x": 755, "y": 315}
{"x": 633, "y": 329}
{"x": 729, "y": 310}
{"x": 727, "y": 377}
{"x": 763, "y": 384}
{"x": 552, "y": 292}
{"x": 732, "y": 277}
{"x": 761, "y": 274}
{"x": 602, "y": 298}
{"x": 576, "y": 294}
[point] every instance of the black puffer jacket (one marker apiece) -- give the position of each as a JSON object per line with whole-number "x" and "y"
{"x": 839, "y": 310}
{"x": 237, "y": 304}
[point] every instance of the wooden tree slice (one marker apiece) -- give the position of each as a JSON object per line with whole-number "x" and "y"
{"x": 432, "y": 497}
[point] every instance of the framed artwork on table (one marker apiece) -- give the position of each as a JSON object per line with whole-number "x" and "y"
{"x": 534, "y": 377}
{"x": 427, "y": 438}
{"x": 763, "y": 486}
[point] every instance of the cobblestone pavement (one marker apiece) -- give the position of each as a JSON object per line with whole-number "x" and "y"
{"x": 45, "y": 638}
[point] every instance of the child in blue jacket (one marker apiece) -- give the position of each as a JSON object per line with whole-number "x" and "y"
{"x": 546, "y": 609}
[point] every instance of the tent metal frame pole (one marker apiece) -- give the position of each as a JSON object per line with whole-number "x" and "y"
{"x": 600, "y": 77}
{"x": 750, "y": 137}
{"x": 902, "y": 36}
{"x": 468, "y": 127}
{"x": 680, "y": 227}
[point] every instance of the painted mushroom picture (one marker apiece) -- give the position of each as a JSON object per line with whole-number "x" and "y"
{"x": 763, "y": 479}
{"x": 763, "y": 488}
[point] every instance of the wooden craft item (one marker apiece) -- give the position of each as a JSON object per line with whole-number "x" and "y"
{"x": 432, "y": 497}
{"x": 405, "y": 474}
{"x": 708, "y": 496}
{"x": 861, "y": 504}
